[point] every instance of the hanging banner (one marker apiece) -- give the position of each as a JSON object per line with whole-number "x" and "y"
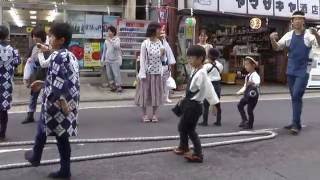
{"x": 285, "y": 8}
{"x": 310, "y": 8}
{"x": 76, "y": 47}
{"x": 206, "y": 5}
{"x": 93, "y": 27}
{"x": 260, "y": 7}
{"x": 92, "y": 54}
{"x": 109, "y": 21}
{"x": 162, "y": 16}
{"x": 233, "y": 6}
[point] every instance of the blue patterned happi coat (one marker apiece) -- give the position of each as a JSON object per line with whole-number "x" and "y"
{"x": 9, "y": 59}
{"x": 62, "y": 82}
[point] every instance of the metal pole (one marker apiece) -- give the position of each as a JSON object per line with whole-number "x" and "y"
{"x": 147, "y": 10}
{"x": 65, "y": 17}
{"x": 1, "y": 14}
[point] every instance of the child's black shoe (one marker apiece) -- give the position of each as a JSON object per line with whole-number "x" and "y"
{"x": 194, "y": 158}
{"x": 59, "y": 175}
{"x": 29, "y": 157}
{"x": 203, "y": 124}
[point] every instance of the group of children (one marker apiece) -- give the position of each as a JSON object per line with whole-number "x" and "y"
{"x": 203, "y": 90}
{"x": 60, "y": 99}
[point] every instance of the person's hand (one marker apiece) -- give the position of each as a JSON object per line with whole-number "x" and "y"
{"x": 42, "y": 48}
{"x": 64, "y": 106}
{"x": 36, "y": 86}
{"x": 313, "y": 30}
{"x": 274, "y": 36}
{"x": 239, "y": 93}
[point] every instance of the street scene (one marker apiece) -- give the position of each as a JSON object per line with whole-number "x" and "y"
{"x": 159, "y": 89}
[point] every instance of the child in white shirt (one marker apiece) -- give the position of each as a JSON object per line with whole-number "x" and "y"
{"x": 199, "y": 88}
{"x": 251, "y": 93}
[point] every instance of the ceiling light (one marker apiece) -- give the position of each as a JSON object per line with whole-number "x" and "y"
{"x": 33, "y": 22}
{"x": 33, "y": 12}
{"x": 16, "y": 18}
{"x": 33, "y": 17}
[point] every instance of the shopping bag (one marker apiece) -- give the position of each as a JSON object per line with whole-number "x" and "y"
{"x": 171, "y": 84}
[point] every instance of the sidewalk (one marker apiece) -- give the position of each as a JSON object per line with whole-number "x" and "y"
{"x": 92, "y": 91}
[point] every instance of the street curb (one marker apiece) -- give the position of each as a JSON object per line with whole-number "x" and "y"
{"x": 22, "y": 103}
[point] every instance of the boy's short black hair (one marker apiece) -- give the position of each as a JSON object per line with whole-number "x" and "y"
{"x": 152, "y": 29}
{"x": 197, "y": 51}
{"x": 62, "y": 30}
{"x": 4, "y": 32}
{"x": 214, "y": 53}
{"x": 39, "y": 32}
{"x": 203, "y": 31}
{"x": 112, "y": 29}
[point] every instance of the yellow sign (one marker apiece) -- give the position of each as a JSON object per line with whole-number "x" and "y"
{"x": 92, "y": 54}
{"x": 189, "y": 32}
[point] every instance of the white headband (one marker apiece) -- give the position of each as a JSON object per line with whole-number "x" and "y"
{"x": 298, "y": 16}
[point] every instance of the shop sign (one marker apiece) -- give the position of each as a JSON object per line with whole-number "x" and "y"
{"x": 206, "y": 5}
{"x": 310, "y": 8}
{"x": 260, "y": 7}
{"x": 255, "y": 23}
{"x": 163, "y": 16}
{"x": 109, "y": 21}
{"x": 93, "y": 27}
{"x": 285, "y": 8}
{"x": 92, "y": 54}
{"x": 233, "y": 6}
{"x": 280, "y": 8}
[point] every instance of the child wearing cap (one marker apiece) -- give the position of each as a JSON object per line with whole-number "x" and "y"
{"x": 214, "y": 69}
{"x": 251, "y": 93}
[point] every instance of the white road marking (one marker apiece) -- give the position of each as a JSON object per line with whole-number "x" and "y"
{"x": 16, "y": 150}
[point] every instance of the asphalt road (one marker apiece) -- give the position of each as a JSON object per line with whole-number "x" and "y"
{"x": 286, "y": 157}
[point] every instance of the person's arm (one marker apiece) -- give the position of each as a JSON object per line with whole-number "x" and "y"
{"x": 281, "y": 44}
{"x": 44, "y": 63}
{"x": 210, "y": 93}
{"x": 143, "y": 54}
{"x": 115, "y": 43}
{"x": 316, "y": 40}
{"x": 170, "y": 55}
{"x": 256, "y": 79}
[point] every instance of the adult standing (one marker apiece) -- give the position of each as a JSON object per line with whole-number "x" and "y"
{"x": 203, "y": 38}
{"x": 150, "y": 73}
{"x": 299, "y": 42}
{"x": 168, "y": 61}
{"x": 33, "y": 70}
{"x": 112, "y": 58}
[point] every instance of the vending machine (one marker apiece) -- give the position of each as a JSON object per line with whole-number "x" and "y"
{"x": 131, "y": 33}
{"x": 314, "y": 78}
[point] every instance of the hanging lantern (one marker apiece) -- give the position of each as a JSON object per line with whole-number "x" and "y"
{"x": 191, "y": 21}
{"x": 255, "y": 23}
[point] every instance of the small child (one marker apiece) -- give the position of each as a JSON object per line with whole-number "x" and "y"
{"x": 198, "y": 89}
{"x": 214, "y": 69}
{"x": 251, "y": 93}
{"x": 9, "y": 59}
{"x": 60, "y": 101}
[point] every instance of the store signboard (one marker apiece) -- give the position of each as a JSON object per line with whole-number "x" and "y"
{"x": 206, "y": 5}
{"x": 260, "y": 7}
{"x": 93, "y": 27}
{"x": 280, "y": 8}
{"x": 310, "y": 8}
{"x": 109, "y": 21}
{"x": 233, "y": 6}
{"x": 285, "y": 8}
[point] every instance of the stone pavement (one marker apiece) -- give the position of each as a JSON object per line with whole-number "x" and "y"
{"x": 92, "y": 91}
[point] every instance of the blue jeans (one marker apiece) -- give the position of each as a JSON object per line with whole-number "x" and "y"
{"x": 297, "y": 87}
{"x": 33, "y": 101}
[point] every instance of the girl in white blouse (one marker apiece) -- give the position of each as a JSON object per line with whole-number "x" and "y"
{"x": 251, "y": 93}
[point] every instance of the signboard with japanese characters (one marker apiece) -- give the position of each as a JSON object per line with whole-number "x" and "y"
{"x": 310, "y": 8}
{"x": 233, "y": 6}
{"x": 260, "y": 7}
{"x": 285, "y": 8}
{"x": 206, "y": 5}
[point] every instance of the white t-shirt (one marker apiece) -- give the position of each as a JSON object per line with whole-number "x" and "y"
{"x": 250, "y": 78}
{"x": 214, "y": 74}
{"x": 201, "y": 82}
{"x": 309, "y": 40}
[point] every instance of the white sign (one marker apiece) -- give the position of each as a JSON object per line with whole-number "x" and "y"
{"x": 206, "y": 5}
{"x": 260, "y": 7}
{"x": 233, "y": 6}
{"x": 93, "y": 27}
{"x": 285, "y": 8}
{"x": 310, "y": 8}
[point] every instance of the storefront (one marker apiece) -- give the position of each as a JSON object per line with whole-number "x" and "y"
{"x": 241, "y": 28}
